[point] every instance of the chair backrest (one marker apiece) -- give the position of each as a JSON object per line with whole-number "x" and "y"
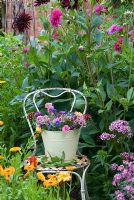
{"x": 45, "y": 91}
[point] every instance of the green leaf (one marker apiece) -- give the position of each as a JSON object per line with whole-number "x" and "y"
{"x": 109, "y": 105}
{"x": 83, "y": 145}
{"x": 96, "y": 21}
{"x": 25, "y": 83}
{"x": 130, "y": 93}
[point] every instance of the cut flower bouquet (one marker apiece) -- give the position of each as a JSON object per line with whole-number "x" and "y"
{"x": 60, "y": 131}
{"x": 59, "y": 121}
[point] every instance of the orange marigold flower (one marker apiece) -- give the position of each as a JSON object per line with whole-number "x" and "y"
{"x": 1, "y": 123}
{"x": 70, "y": 168}
{"x": 64, "y": 176}
{"x": 40, "y": 176}
{"x": 1, "y": 157}
{"x": 15, "y": 149}
{"x": 50, "y": 182}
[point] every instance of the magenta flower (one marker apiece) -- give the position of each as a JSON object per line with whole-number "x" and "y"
{"x": 115, "y": 28}
{"x": 100, "y": 8}
{"x": 112, "y": 29}
{"x": 25, "y": 50}
{"x": 120, "y": 28}
{"x": 56, "y": 35}
{"x": 55, "y": 18}
{"x": 65, "y": 128}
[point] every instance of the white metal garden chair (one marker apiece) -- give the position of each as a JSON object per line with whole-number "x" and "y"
{"x": 34, "y": 94}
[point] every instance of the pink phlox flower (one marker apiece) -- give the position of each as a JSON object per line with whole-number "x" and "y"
{"x": 25, "y": 50}
{"x": 114, "y": 166}
{"x": 117, "y": 179}
{"x": 55, "y": 18}
{"x": 40, "y": 120}
{"x": 119, "y": 195}
{"x": 120, "y": 168}
{"x": 100, "y": 8}
{"x": 65, "y": 128}
{"x": 129, "y": 189}
{"x": 121, "y": 126}
{"x": 107, "y": 136}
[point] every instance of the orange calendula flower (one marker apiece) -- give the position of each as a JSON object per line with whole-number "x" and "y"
{"x": 1, "y": 157}
{"x": 64, "y": 176}
{"x": 41, "y": 177}
{"x": 15, "y": 149}
{"x": 70, "y": 168}
{"x": 9, "y": 170}
{"x": 1, "y": 170}
{"x": 52, "y": 176}
{"x": 1, "y": 123}
{"x": 26, "y": 174}
{"x": 50, "y": 182}
{"x": 38, "y": 129}
{"x": 29, "y": 168}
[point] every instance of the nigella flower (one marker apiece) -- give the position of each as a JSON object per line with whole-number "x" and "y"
{"x": 40, "y": 2}
{"x": 22, "y": 22}
{"x": 55, "y": 18}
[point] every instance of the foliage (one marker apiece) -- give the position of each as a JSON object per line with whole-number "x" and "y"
{"x": 78, "y": 54}
{"x": 17, "y": 183}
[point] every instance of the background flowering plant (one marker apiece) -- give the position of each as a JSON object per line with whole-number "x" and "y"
{"x": 59, "y": 121}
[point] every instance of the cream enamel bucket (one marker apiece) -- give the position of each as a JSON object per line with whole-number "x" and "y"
{"x": 55, "y": 142}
